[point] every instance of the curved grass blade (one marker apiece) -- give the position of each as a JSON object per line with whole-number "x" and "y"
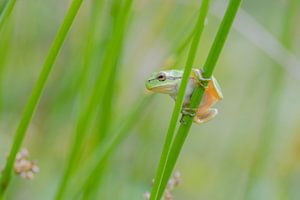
{"x": 179, "y": 101}
{"x": 107, "y": 70}
{"x": 208, "y": 68}
{"x": 37, "y": 92}
{"x": 99, "y": 155}
{"x": 268, "y": 130}
{"x": 8, "y": 7}
{"x": 264, "y": 40}
{"x": 106, "y": 106}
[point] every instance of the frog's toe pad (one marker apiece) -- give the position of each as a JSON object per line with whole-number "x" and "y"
{"x": 205, "y": 117}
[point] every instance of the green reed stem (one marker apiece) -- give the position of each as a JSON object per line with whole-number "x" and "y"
{"x": 37, "y": 91}
{"x": 85, "y": 117}
{"x": 268, "y": 131}
{"x": 8, "y": 7}
{"x": 99, "y": 155}
{"x": 106, "y": 106}
{"x": 112, "y": 59}
{"x": 80, "y": 180}
{"x": 208, "y": 68}
{"x": 179, "y": 101}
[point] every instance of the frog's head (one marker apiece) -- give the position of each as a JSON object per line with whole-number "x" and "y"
{"x": 164, "y": 81}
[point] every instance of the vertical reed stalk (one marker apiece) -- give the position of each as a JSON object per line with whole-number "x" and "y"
{"x": 8, "y": 7}
{"x": 209, "y": 66}
{"x": 85, "y": 117}
{"x": 268, "y": 131}
{"x": 179, "y": 101}
{"x": 111, "y": 59}
{"x": 37, "y": 90}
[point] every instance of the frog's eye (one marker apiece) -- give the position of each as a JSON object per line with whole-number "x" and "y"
{"x": 161, "y": 77}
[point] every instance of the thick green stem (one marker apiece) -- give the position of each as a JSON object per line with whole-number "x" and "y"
{"x": 198, "y": 93}
{"x": 37, "y": 92}
{"x": 179, "y": 101}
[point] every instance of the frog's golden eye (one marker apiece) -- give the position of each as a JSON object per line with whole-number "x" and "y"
{"x": 161, "y": 77}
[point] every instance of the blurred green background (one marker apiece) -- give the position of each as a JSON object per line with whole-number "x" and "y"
{"x": 251, "y": 150}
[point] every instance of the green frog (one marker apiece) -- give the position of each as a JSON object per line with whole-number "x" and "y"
{"x": 168, "y": 82}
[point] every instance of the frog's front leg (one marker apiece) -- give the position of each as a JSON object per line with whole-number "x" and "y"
{"x": 192, "y": 112}
{"x": 189, "y": 111}
{"x": 201, "y": 118}
{"x": 200, "y": 80}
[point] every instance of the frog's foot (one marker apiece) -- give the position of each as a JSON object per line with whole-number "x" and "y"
{"x": 205, "y": 117}
{"x": 189, "y": 111}
{"x": 201, "y": 81}
{"x": 192, "y": 112}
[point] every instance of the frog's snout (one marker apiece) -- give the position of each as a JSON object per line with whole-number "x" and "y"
{"x": 148, "y": 84}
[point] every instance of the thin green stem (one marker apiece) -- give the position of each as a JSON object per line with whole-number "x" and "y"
{"x": 109, "y": 145}
{"x": 2, "y": 5}
{"x": 90, "y": 49}
{"x": 112, "y": 59}
{"x": 268, "y": 131}
{"x": 37, "y": 92}
{"x": 4, "y": 51}
{"x": 99, "y": 155}
{"x": 85, "y": 118}
{"x": 6, "y": 12}
{"x": 107, "y": 100}
{"x": 179, "y": 101}
{"x": 209, "y": 66}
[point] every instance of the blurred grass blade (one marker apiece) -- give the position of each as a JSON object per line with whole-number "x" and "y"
{"x": 2, "y": 6}
{"x": 8, "y": 7}
{"x": 179, "y": 101}
{"x": 268, "y": 131}
{"x": 107, "y": 70}
{"x": 37, "y": 92}
{"x": 258, "y": 35}
{"x": 112, "y": 59}
{"x": 5, "y": 41}
{"x": 90, "y": 49}
{"x": 208, "y": 68}
{"x": 109, "y": 145}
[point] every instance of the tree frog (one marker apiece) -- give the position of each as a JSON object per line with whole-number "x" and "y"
{"x": 168, "y": 82}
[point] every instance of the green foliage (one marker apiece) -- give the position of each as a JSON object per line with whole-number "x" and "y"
{"x": 37, "y": 90}
{"x": 5, "y": 13}
{"x": 208, "y": 68}
{"x": 179, "y": 101}
{"x": 95, "y": 134}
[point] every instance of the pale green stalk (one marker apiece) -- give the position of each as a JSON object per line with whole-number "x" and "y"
{"x": 268, "y": 131}
{"x": 109, "y": 145}
{"x": 208, "y": 68}
{"x": 179, "y": 101}
{"x": 99, "y": 155}
{"x": 85, "y": 118}
{"x": 37, "y": 92}
{"x": 112, "y": 59}
{"x": 6, "y": 12}
{"x": 4, "y": 49}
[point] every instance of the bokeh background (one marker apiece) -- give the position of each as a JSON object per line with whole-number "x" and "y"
{"x": 251, "y": 150}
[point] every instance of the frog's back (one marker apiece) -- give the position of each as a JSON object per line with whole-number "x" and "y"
{"x": 215, "y": 89}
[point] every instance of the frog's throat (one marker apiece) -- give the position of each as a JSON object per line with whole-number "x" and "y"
{"x": 164, "y": 89}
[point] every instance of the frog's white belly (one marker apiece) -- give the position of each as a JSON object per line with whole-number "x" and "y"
{"x": 188, "y": 93}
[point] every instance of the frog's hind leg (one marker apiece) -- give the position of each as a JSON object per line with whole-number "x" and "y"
{"x": 201, "y": 118}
